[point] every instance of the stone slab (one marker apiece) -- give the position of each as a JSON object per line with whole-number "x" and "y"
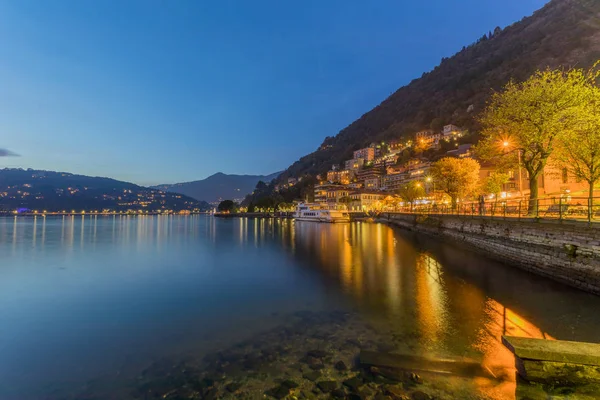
{"x": 416, "y": 363}
{"x": 554, "y": 350}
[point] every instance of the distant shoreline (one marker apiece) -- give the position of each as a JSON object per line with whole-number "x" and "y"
{"x": 49, "y": 214}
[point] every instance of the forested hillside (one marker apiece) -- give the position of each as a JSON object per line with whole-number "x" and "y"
{"x": 563, "y": 33}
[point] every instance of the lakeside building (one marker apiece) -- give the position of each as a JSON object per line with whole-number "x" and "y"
{"x": 428, "y": 139}
{"x": 385, "y": 160}
{"x": 552, "y": 182}
{"x": 354, "y": 164}
{"x": 367, "y": 154}
{"x": 373, "y": 183}
{"x": 462, "y": 151}
{"x": 451, "y": 132}
{"x": 340, "y": 176}
{"x": 365, "y": 200}
{"x": 320, "y": 191}
{"x": 334, "y": 195}
{"x": 394, "y": 181}
{"x": 368, "y": 174}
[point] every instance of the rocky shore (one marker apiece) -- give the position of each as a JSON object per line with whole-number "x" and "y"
{"x": 322, "y": 355}
{"x": 315, "y": 356}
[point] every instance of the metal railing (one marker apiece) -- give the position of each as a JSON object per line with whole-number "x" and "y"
{"x": 560, "y": 208}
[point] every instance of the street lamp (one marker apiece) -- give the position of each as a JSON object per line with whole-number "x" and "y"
{"x": 506, "y": 145}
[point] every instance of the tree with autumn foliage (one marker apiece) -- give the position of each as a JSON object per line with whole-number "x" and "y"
{"x": 529, "y": 120}
{"x": 457, "y": 177}
{"x": 411, "y": 192}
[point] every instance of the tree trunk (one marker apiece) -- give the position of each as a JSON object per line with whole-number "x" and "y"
{"x": 533, "y": 195}
{"x": 591, "y": 201}
{"x": 453, "y": 201}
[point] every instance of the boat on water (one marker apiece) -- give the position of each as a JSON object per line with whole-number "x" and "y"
{"x": 316, "y": 213}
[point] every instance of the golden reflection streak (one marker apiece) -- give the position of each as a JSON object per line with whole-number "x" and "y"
{"x": 81, "y": 233}
{"x": 500, "y": 320}
{"x": 432, "y": 300}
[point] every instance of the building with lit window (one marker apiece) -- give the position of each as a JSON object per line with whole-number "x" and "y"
{"x": 367, "y": 154}
{"x": 340, "y": 176}
{"x": 461, "y": 151}
{"x": 321, "y": 190}
{"x": 354, "y": 164}
{"x": 451, "y": 131}
{"x": 366, "y": 200}
{"x": 335, "y": 194}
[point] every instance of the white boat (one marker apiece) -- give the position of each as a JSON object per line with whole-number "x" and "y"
{"x": 315, "y": 213}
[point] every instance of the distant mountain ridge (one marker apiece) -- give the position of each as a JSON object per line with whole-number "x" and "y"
{"x": 57, "y": 191}
{"x": 219, "y": 186}
{"x": 563, "y": 33}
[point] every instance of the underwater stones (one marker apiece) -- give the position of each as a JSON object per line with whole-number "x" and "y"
{"x": 396, "y": 392}
{"x": 233, "y": 387}
{"x": 338, "y": 394}
{"x": 418, "y": 395}
{"x": 312, "y": 376}
{"x": 327, "y": 386}
{"x": 353, "y": 383}
{"x": 290, "y": 384}
{"x": 314, "y": 363}
{"x": 341, "y": 366}
{"x": 416, "y": 378}
{"x": 317, "y": 353}
{"x": 278, "y": 392}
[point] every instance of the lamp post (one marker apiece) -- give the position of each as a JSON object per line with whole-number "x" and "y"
{"x": 506, "y": 144}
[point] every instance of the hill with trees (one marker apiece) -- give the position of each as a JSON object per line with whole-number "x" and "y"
{"x": 564, "y": 33}
{"x": 58, "y": 191}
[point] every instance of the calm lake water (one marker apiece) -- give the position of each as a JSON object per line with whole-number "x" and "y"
{"x": 88, "y": 303}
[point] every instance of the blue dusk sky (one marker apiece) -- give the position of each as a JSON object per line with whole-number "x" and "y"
{"x": 175, "y": 90}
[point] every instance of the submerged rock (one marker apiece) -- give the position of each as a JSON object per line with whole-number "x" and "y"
{"x": 317, "y": 353}
{"x": 290, "y": 384}
{"x": 278, "y": 392}
{"x": 353, "y": 383}
{"x": 341, "y": 366}
{"x": 233, "y": 387}
{"x": 312, "y": 375}
{"x": 418, "y": 395}
{"x": 327, "y": 386}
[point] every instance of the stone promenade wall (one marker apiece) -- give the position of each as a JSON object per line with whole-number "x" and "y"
{"x": 567, "y": 251}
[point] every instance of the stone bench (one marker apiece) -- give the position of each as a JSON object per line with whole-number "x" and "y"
{"x": 555, "y": 362}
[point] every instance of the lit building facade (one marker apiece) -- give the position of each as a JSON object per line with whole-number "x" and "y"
{"x": 354, "y": 164}
{"x": 367, "y": 154}
{"x": 366, "y": 200}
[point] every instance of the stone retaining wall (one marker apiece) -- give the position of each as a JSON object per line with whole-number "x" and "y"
{"x": 567, "y": 251}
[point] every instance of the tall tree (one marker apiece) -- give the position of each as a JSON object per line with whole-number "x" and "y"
{"x": 494, "y": 183}
{"x": 457, "y": 177}
{"x": 530, "y": 119}
{"x": 227, "y": 206}
{"x": 579, "y": 150}
{"x": 411, "y": 192}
